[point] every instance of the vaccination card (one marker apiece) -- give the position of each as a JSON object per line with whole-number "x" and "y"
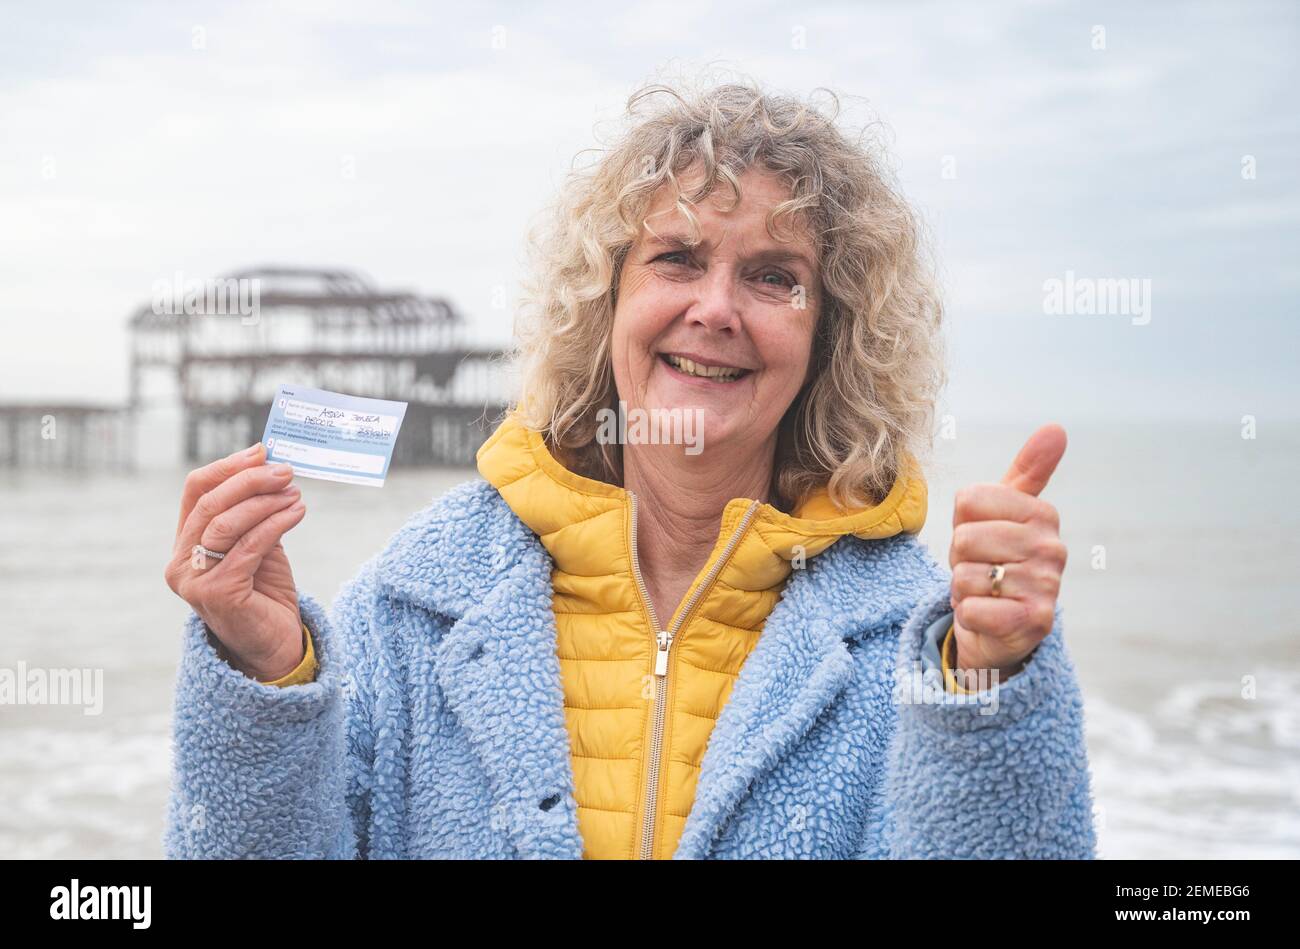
{"x": 331, "y": 436}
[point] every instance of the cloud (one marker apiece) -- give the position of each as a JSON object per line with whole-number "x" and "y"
{"x": 416, "y": 146}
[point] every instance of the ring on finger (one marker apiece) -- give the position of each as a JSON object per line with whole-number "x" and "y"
{"x": 201, "y": 551}
{"x": 996, "y": 572}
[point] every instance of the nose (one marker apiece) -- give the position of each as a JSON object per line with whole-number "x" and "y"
{"x": 717, "y": 307}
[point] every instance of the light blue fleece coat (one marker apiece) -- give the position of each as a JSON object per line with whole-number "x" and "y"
{"x": 435, "y": 727}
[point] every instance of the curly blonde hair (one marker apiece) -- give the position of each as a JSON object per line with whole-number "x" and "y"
{"x": 877, "y": 362}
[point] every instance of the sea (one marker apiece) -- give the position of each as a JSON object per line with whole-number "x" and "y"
{"x": 1181, "y": 610}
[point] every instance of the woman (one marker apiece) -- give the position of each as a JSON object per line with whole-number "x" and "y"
{"x": 620, "y": 646}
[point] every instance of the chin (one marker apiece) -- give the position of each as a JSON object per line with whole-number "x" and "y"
{"x": 716, "y": 427}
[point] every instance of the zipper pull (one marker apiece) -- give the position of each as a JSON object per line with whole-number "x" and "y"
{"x": 661, "y": 654}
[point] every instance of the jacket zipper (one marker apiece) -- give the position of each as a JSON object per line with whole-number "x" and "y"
{"x": 663, "y": 643}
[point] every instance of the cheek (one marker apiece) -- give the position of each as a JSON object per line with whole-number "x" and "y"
{"x": 640, "y": 315}
{"x": 786, "y": 350}
{"x": 639, "y": 318}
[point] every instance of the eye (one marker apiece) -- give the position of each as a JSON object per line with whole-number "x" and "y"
{"x": 787, "y": 280}
{"x": 674, "y": 253}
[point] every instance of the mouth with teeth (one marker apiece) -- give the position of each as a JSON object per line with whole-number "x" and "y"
{"x": 720, "y": 375}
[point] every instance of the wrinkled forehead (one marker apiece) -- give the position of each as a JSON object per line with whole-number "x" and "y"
{"x": 762, "y": 191}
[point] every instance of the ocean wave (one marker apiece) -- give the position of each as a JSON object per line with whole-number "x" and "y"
{"x": 1204, "y": 774}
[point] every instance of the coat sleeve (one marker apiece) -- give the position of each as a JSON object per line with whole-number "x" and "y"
{"x": 263, "y": 771}
{"x": 1000, "y": 773}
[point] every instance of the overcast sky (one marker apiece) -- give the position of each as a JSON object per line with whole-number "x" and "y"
{"x": 127, "y": 154}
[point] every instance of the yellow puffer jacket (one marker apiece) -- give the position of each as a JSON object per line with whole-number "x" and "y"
{"x": 640, "y": 703}
{"x": 641, "y": 697}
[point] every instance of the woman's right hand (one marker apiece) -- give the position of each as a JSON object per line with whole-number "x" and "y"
{"x": 241, "y": 507}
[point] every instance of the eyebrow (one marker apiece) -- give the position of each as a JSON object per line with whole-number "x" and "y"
{"x": 768, "y": 255}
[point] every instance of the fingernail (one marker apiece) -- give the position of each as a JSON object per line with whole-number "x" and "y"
{"x": 254, "y": 451}
{"x": 281, "y": 470}
{"x": 292, "y": 491}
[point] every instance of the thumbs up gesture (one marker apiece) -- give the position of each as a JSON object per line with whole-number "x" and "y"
{"x": 998, "y": 623}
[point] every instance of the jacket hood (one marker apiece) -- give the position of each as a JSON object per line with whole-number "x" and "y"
{"x": 565, "y": 509}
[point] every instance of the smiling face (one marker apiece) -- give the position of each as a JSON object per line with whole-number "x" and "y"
{"x": 726, "y": 326}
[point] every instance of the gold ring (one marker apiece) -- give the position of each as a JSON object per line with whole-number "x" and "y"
{"x": 996, "y": 573}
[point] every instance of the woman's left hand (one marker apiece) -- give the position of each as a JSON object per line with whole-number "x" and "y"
{"x": 1007, "y": 524}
